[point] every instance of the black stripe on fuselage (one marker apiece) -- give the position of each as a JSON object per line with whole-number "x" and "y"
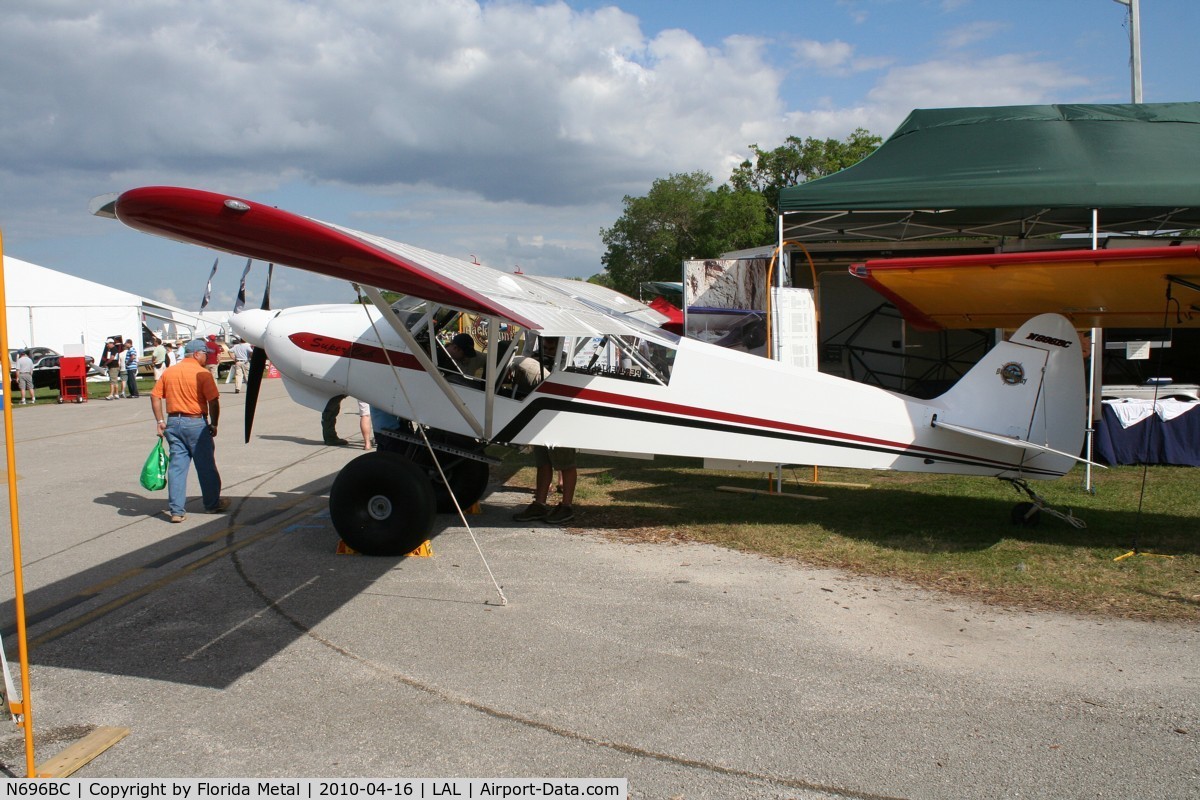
{"x": 560, "y": 405}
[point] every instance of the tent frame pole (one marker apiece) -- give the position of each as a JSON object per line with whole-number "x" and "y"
{"x": 1094, "y": 373}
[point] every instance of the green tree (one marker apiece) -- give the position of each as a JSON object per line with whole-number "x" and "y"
{"x": 733, "y": 219}
{"x": 682, "y": 218}
{"x": 797, "y": 161}
{"x": 656, "y": 233}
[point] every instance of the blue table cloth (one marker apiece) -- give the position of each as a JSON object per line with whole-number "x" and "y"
{"x": 1151, "y": 440}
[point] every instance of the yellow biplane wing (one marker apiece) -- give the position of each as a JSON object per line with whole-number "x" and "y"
{"x": 1149, "y": 287}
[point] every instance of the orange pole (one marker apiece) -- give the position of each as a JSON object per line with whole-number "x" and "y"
{"x": 23, "y": 709}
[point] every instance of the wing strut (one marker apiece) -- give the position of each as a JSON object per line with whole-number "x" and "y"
{"x": 418, "y": 353}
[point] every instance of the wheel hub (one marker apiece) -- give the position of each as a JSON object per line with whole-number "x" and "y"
{"x": 379, "y": 507}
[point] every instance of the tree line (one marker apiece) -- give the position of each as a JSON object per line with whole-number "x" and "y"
{"x": 682, "y": 217}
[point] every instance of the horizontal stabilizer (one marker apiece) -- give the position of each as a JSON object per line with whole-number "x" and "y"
{"x": 1011, "y": 441}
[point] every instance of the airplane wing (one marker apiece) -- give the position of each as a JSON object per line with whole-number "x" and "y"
{"x": 553, "y": 306}
{"x": 1120, "y": 288}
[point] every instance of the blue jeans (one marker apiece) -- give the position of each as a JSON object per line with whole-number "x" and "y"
{"x": 190, "y": 442}
{"x": 131, "y": 382}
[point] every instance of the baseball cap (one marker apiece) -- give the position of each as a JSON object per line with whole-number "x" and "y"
{"x": 464, "y": 342}
{"x": 195, "y": 346}
{"x": 212, "y": 336}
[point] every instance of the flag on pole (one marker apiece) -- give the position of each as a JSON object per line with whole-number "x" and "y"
{"x": 240, "y": 303}
{"x": 208, "y": 288}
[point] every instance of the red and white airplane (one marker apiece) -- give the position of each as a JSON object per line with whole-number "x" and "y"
{"x": 620, "y": 383}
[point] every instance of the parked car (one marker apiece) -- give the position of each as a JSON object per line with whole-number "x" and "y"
{"x": 45, "y": 367}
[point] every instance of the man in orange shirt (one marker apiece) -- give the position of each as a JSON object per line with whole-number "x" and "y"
{"x": 187, "y": 407}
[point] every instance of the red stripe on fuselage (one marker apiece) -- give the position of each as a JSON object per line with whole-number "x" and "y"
{"x": 357, "y": 351}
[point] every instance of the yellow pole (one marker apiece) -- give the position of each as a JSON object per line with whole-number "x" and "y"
{"x": 23, "y": 709}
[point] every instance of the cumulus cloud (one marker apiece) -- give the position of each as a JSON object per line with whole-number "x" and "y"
{"x": 502, "y": 105}
{"x": 835, "y": 57}
{"x": 824, "y": 55}
{"x": 971, "y": 33}
{"x": 507, "y": 130}
{"x": 1012, "y": 79}
{"x": 494, "y": 99}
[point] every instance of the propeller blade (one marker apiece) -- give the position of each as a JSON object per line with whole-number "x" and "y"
{"x": 258, "y": 362}
{"x": 258, "y": 367}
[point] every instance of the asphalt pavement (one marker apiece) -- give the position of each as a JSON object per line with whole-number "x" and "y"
{"x": 245, "y": 645}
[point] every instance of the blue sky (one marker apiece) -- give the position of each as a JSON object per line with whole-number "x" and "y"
{"x": 508, "y": 131}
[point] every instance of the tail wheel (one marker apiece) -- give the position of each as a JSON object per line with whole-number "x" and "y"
{"x": 382, "y": 504}
{"x": 1026, "y": 514}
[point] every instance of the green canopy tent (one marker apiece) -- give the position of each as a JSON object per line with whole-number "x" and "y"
{"x": 1012, "y": 171}
{"x": 1019, "y": 172}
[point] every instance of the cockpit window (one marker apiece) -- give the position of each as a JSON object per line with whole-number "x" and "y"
{"x": 626, "y": 357}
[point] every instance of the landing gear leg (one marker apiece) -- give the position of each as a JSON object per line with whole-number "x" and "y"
{"x": 468, "y": 477}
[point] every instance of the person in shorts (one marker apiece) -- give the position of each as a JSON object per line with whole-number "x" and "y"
{"x": 24, "y": 367}
{"x": 364, "y": 423}
{"x": 113, "y": 354}
{"x": 548, "y": 459}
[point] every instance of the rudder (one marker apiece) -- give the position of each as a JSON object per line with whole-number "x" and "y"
{"x": 1030, "y": 387}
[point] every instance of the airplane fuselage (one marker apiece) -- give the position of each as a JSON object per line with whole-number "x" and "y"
{"x": 716, "y": 404}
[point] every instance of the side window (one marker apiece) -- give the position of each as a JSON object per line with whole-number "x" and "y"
{"x": 626, "y": 358}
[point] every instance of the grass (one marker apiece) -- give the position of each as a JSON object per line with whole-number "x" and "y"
{"x": 97, "y": 390}
{"x": 950, "y": 533}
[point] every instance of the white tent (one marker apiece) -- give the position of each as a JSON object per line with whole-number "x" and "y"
{"x": 68, "y": 314}
{"x": 172, "y": 323}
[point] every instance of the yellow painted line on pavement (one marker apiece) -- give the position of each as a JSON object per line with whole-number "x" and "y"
{"x": 166, "y": 580}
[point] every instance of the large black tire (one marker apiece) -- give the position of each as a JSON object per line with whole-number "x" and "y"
{"x": 382, "y": 504}
{"x": 468, "y": 480}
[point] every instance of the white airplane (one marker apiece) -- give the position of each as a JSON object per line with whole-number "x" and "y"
{"x": 619, "y": 382}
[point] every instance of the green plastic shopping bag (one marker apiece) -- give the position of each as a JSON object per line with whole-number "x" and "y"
{"x": 154, "y": 471}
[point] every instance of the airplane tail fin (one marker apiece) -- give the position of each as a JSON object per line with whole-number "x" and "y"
{"x": 1026, "y": 393}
